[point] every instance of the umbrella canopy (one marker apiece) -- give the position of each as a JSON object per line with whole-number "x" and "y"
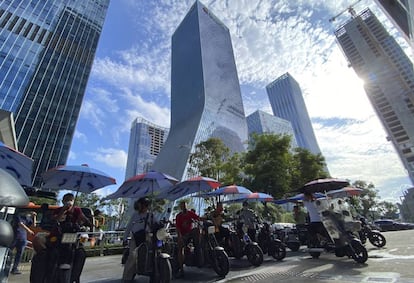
{"x": 189, "y": 186}
{"x": 252, "y": 197}
{"x": 11, "y": 192}
{"x": 230, "y": 190}
{"x": 150, "y": 183}
{"x": 345, "y": 192}
{"x": 16, "y": 164}
{"x": 76, "y": 178}
{"x": 297, "y": 198}
{"x": 324, "y": 185}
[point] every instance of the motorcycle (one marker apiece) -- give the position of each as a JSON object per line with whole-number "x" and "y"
{"x": 337, "y": 219}
{"x": 208, "y": 253}
{"x": 374, "y": 236}
{"x": 45, "y": 263}
{"x": 149, "y": 258}
{"x": 242, "y": 244}
{"x": 270, "y": 244}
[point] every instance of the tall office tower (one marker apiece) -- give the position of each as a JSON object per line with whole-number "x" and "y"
{"x": 205, "y": 92}
{"x": 260, "y": 122}
{"x": 145, "y": 143}
{"x": 287, "y": 102}
{"x": 46, "y": 53}
{"x": 389, "y": 79}
{"x": 401, "y": 13}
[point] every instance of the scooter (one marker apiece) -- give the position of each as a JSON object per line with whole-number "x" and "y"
{"x": 149, "y": 258}
{"x": 242, "y": 244}
{"x": 374, "y": 236}
{"x": 208, "y": 253}
{"x": 269, "y": 243}
{"x": 46, "y": 266}
{"x": 6, "y": 239}
{"x": 341, "y": 227}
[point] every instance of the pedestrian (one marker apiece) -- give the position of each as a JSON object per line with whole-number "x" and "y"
{"x": 299, "y": 214}
{"x": 21, "y": 227}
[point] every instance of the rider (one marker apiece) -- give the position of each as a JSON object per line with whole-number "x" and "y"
{"x": 186, "y": 231}
{"x": 138, "y": 225}
{"x": 69, "y": 217}
{"x": 217, "y": 216}
{"x": 249, "y": 218}
{"x": 315, "y": 224}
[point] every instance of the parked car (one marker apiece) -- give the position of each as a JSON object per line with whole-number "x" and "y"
{"x": 392, "y": 225}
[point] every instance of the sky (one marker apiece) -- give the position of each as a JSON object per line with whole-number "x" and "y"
{"x": 130, "y": 78}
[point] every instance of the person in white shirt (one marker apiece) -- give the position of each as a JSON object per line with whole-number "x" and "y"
{"x": 315, "y": 226}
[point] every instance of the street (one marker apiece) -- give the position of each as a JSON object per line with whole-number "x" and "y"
{"x": 393, "y": 263}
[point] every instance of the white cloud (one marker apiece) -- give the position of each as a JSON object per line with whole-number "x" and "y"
{"x": 111, "y": 157}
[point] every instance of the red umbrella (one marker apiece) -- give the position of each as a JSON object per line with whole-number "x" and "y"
{"x": 230, "y": 190}
{"x": 345, "y": 192}
{"x": 190, "y": 186}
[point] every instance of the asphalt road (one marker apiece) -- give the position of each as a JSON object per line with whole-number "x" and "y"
{"x": 393, "y": 263}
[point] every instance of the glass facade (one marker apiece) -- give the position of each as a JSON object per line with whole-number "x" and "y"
{"x": 145, "y": 143}
{"x": 287, "y": 102}
{"x": 388, "y": 76}
{"x": 205, "y": 92}
{"x": 260, "y": 122}
{"x": 46, "y": 54}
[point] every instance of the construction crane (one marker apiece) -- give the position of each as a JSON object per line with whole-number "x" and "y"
{"x": 350, "y": 9}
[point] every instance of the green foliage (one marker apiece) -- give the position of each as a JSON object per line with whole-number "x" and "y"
{"x": 306, "y": 167}
{"x": 267, "y": 164}
{"x": 208, "y": 158}
{"x": 91, "y": 200}
{"x": 40, "y": 200}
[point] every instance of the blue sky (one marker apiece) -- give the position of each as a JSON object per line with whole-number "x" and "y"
{"x": 131, "y": 78}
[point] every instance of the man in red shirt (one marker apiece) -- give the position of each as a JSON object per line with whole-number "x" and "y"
{"x": 186, "y": 231}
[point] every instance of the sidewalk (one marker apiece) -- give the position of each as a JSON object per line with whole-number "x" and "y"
{"x": 24, "y": 277}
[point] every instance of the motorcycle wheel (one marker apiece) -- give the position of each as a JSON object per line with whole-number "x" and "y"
{"x": 377, "y": 239}
{"x": 358, "y": 252}
{"x": 236, "y": 246}
{"x": 255, "y": 255}
{"x": 164, "y": 273}
{"x": 221, "y": 264}
{"x": 277, "y": 250}
{"x": 315, "y": 254}
{"x": 293, "y": 246}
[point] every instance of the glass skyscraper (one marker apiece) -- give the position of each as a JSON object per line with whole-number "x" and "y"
{"x": 46, "y": 52}
{"x": 205, "y": 92}
{"x": 145, "y": 143}
{"x": 260, "y": 122}
{"x": 388, "y": 78}
{"x": 287, "y": 102}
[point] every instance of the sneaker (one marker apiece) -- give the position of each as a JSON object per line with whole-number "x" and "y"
{"x": 64, "y": 266}
{"x": 15, "y": 271}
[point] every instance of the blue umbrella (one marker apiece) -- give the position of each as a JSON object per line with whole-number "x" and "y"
{"x": 296, "y": 198}
{"x": 76, "y": 178}
{"x": 230, "y": 190}
{"x": 190, "y": 186}
{"x": 16, "y": 164}
{"x": 150, "y": 183}
{"x": 257, "y": 196}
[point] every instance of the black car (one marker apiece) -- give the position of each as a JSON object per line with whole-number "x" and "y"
{"x": 391, "y": 225}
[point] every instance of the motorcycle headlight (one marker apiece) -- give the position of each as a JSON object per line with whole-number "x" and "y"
{"x": 162, "y": 234}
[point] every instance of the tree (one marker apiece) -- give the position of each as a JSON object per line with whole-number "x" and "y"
{"x": 91, "y": 200}
{"x": 306, "y": 167}
{"x": 387, "y": 209}
{"x": 267, "y": 164}
{"x": 367, "y": 200}
{"x": 208, "y": 158}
